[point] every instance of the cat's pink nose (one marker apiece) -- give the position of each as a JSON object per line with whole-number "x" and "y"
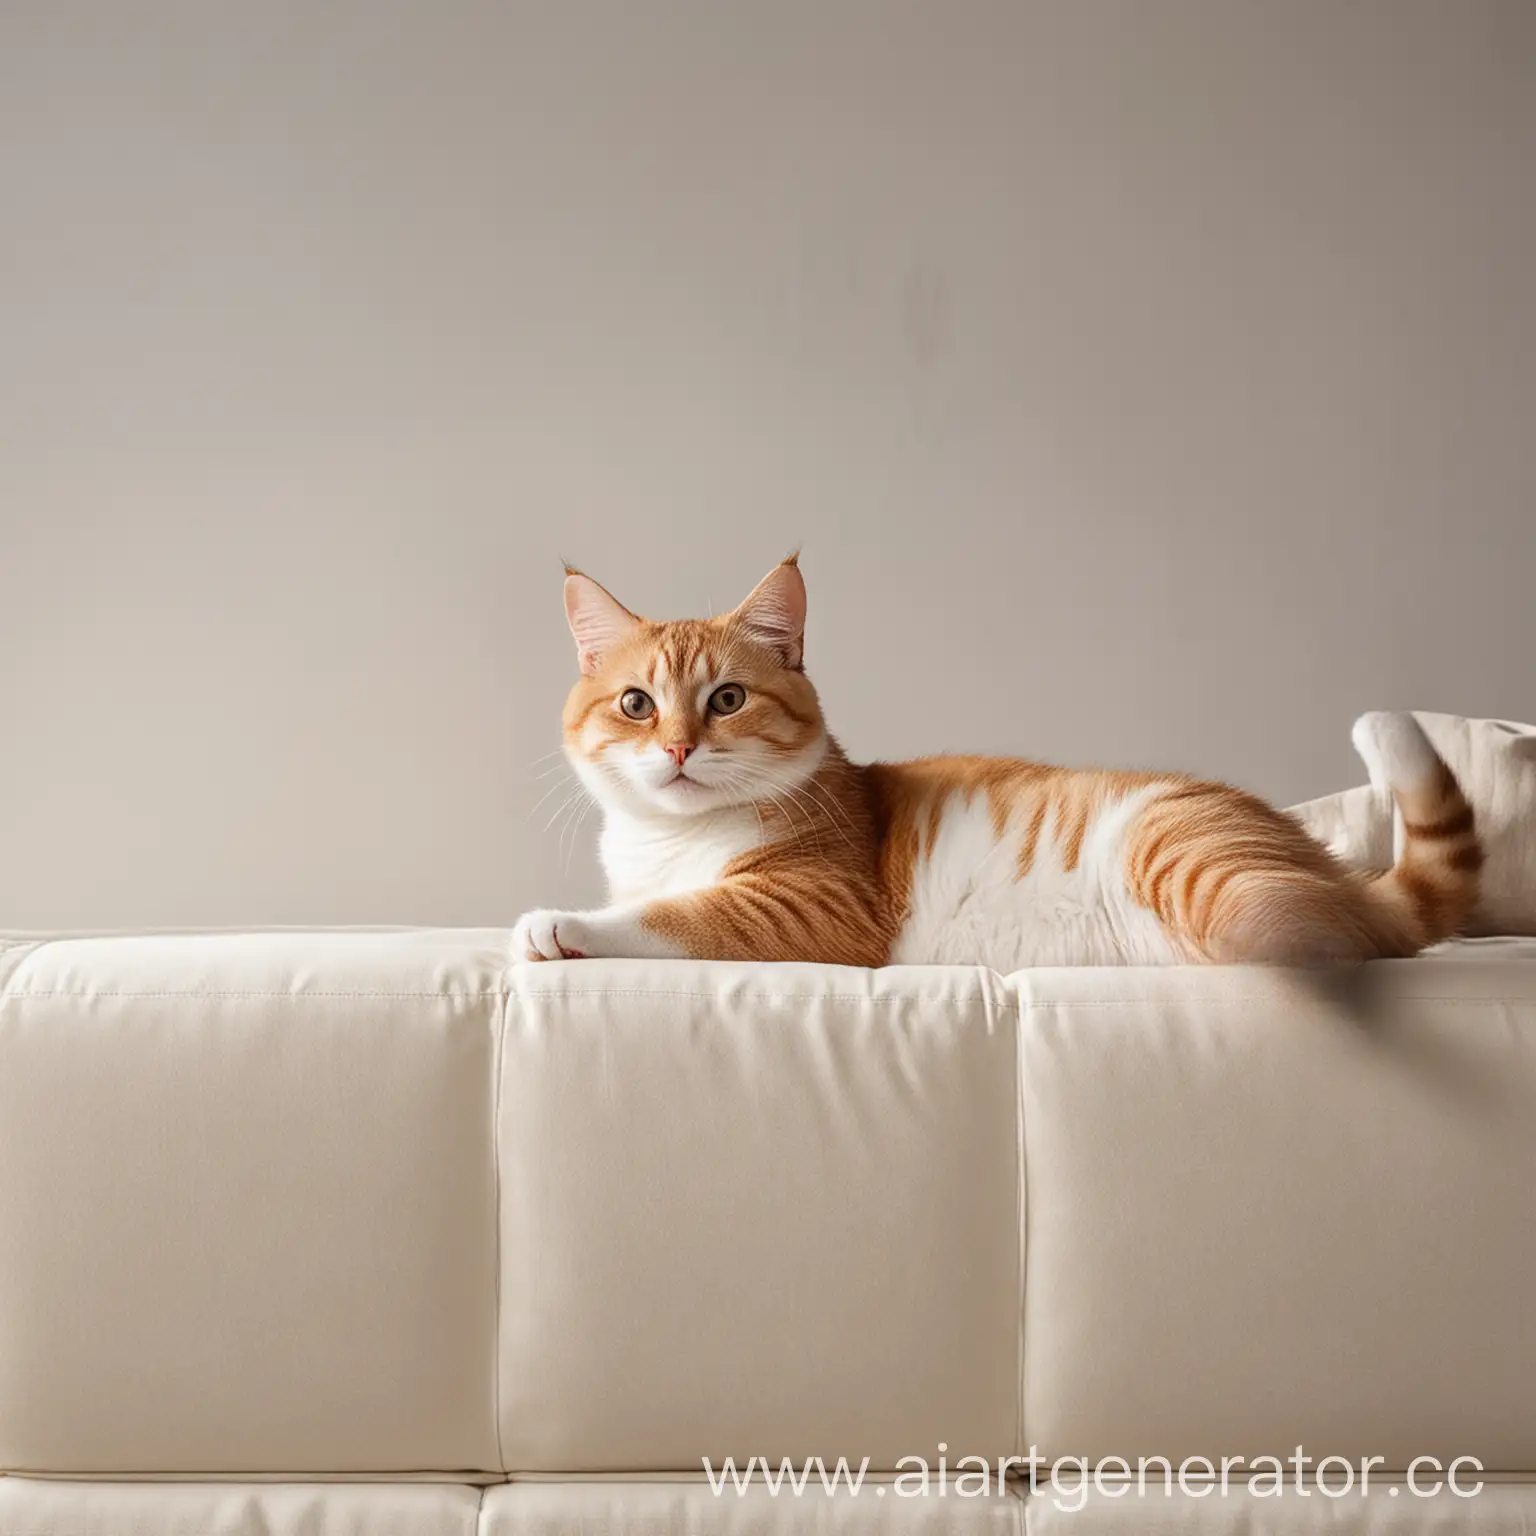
{"x": 679, "y": 753}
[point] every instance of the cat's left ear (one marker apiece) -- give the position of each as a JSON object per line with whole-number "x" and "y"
{"x": 598, "y": 620}
{"x": 774, "y": 612}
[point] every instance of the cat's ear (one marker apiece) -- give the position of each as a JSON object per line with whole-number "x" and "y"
{"x": 774, "y": 612}
{"x": 598, "y": 620}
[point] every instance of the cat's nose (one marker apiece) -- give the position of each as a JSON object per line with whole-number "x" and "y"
{"x": 678, "y": 752}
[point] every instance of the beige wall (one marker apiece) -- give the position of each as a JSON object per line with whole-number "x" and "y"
{"x": 1150, "y": 381}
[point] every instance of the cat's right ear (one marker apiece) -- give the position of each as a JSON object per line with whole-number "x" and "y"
{"x": 598, "y": 620}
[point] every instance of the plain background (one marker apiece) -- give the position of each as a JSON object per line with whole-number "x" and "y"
{"x": 1149, "y": 382}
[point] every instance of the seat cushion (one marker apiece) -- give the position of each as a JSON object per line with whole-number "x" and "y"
{"x": 1385, "y": 1509}
{"x": 30, "y": 1507}
{"x": 683, "y": 1509}
{"x": 34, "y": 1507}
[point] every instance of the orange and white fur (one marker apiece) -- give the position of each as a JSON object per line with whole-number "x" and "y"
{"x": 735, "y": 829}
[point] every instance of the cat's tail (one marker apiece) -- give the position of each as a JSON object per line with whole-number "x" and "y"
{"x": 1430, "y": 891}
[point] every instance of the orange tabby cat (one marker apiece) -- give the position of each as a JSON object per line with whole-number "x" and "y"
{"x": 735, "y": 829}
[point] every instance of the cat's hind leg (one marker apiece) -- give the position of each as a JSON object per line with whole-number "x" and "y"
{"x": 1295, "y": 917}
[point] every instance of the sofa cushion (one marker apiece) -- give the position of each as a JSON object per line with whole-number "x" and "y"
{"x": 34, "y": 1507}
{"x": 247, "y": 1204}
{"x": 757, "y": 1210}
{"x": 684, "y": 1509}
{"x": 1385, "y": 1509}
{"x": 29, "y": 1507}
{"x": 1256, "y": 1221}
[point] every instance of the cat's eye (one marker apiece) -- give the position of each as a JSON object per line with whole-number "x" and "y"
{"x": 637, "y": 705}
{"x": 727, "y": 698}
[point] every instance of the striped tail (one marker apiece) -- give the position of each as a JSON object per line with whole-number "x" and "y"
{"x": 1429, "y": 893}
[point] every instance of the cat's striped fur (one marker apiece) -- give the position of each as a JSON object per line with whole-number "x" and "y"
{"x": 735, "y": 828}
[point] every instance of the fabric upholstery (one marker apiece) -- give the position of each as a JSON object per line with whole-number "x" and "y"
{"x": 287, "y": 1215}
{"x": 1495, "y": 762}
{"x": 33, "y": 1507}
{"x": 693, "y": 1509}
{"x": 1256, "y": 1222}
{"x": 757, "y": 1210}
{"x": 30, "y": 1507}
{"x": 247, "y": 1204}
{"x": 1387, "y": 1509}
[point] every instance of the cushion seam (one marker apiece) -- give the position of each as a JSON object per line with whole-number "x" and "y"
{"x": 499, "y": 1052}
{"x": 1461, "y": 999}
{"x": 1021, "y": 1176}
{"x": 287, "y": 997}
{"x": 1015, "y": 1007}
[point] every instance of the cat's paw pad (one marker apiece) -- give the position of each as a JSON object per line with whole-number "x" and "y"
{"x": 549, "y": 935}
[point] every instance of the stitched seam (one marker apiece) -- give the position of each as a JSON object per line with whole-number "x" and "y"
{"x": 415, "y": 1477}
{"x": 910, "y": 999}
{"x": 1021, "y": 1175}
{"x": 500, "y": 1050}
{"x": 905, "y": 999}
{"x": 979, "y": 999}
{"x": 1460, "y": 999}
{"x": 293, "y": 997}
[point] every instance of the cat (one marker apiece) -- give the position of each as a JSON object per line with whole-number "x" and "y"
{"x": 734, "y": 828}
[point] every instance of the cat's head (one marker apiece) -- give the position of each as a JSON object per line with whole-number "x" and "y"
{"x": 686, "y": 717}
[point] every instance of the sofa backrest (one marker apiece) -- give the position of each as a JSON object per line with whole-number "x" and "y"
{"x": 377, "y": 1203}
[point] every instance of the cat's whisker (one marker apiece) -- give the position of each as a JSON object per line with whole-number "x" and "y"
{"x": 834, "y": 810}
{"x": 564, "y": 806}
{"x": 570, "y": 813}
{"x": 553, "y": 788}
{"x": 820, "y": 809}
{"x": 840, "y": 822}
{"x": 738, "y": 779}
{"x": 586, "y": 804}
{"x": 787, "y": 812}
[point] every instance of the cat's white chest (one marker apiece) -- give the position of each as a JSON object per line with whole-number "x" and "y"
{"x": 649, "y": 860}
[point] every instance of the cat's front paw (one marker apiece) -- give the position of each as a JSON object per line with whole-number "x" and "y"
{"x": 551, "y": 935}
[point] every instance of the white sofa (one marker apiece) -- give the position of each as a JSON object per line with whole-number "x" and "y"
{"x": 304, "y": 1234}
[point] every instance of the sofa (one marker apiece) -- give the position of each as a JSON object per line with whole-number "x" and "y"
{"x": 373, "y": 1233}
